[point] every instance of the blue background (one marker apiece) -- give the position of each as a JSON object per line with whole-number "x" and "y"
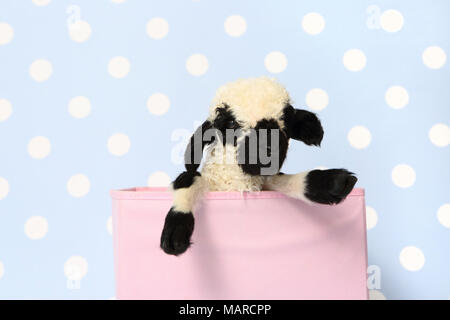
{"x": 78, "y": 226}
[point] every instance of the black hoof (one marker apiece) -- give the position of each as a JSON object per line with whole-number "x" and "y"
{"x": 329, "y": 186}
{"x": 176, "y": 235}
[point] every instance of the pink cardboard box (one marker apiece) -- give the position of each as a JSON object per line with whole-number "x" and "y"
{"x": 257, "y": 245}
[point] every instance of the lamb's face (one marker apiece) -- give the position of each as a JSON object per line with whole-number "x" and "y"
{"x": 253, "y": 118}
{"x": 249, "y": 115}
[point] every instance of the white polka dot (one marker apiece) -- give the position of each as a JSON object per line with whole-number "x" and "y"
{"x": 359, "y": 137}
{"x": 2, "y": 270}
{"x": 371, "y": 217}
{"x": 235, "y": 26}
{"x": 197, "y": 64}
{"x": 78, "y": 185}
{"x": 158, "y": 104}
{"x": 439, "y": 135}
{"x": 5, "y": 109}
{"x": 396, "y": 97}
{"x": 443, "y": 215}
{"x": 391, "y": 20}
{"x": 41, "y": 70}
{"x": 80, "y": 31}
{"x": 118, "y": 67}
{"x": 316, "y": 99}
{"x": 157, "y": 28}
{"x": 158, "y": 179}
{"x": 41, "y": 3}
{"x": 376, "y": 295}
{"x": 6, "y": 33}
{"x": 354, "y": 60}
{"x": 39, "y": 147}
{"x": 4, "y": 188}
{"x": 79, "y": 107}
{"x": 109, "y": 225}
{"x": 412, "y": 258}
{"x": 275, "y": 62}
{"x": 313, "y": 23}
{"x": 434, "y": 57}
{"x": 403, "y": 176}
{"x": 36, "y": 227}
{"x": 75, "y": 268}
{"x": 119, "y": 144}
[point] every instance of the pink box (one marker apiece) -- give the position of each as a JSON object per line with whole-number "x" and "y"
{"x": 257, "y": 245}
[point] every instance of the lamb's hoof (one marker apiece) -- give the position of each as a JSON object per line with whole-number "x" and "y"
{"x": 176, "y": 235}
{"x": 329, "y": 186}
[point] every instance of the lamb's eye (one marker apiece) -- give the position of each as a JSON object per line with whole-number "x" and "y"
{"x": 231, "y": 124}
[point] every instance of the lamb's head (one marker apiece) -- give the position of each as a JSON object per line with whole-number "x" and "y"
{"x": 255, "y": 117}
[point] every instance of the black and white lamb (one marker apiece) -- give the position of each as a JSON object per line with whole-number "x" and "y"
{"x": 245, "y": 140}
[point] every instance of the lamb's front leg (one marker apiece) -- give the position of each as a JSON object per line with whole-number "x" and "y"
{"x": 321, "y": 186}
{"x": 179, "y": 222}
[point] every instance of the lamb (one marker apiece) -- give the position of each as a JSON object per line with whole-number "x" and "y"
{"x": 245, "y": 140}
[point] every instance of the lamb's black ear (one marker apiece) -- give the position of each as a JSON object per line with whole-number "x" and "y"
{"x": 194, "y": 151}
{"x": 302, "y": 125}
